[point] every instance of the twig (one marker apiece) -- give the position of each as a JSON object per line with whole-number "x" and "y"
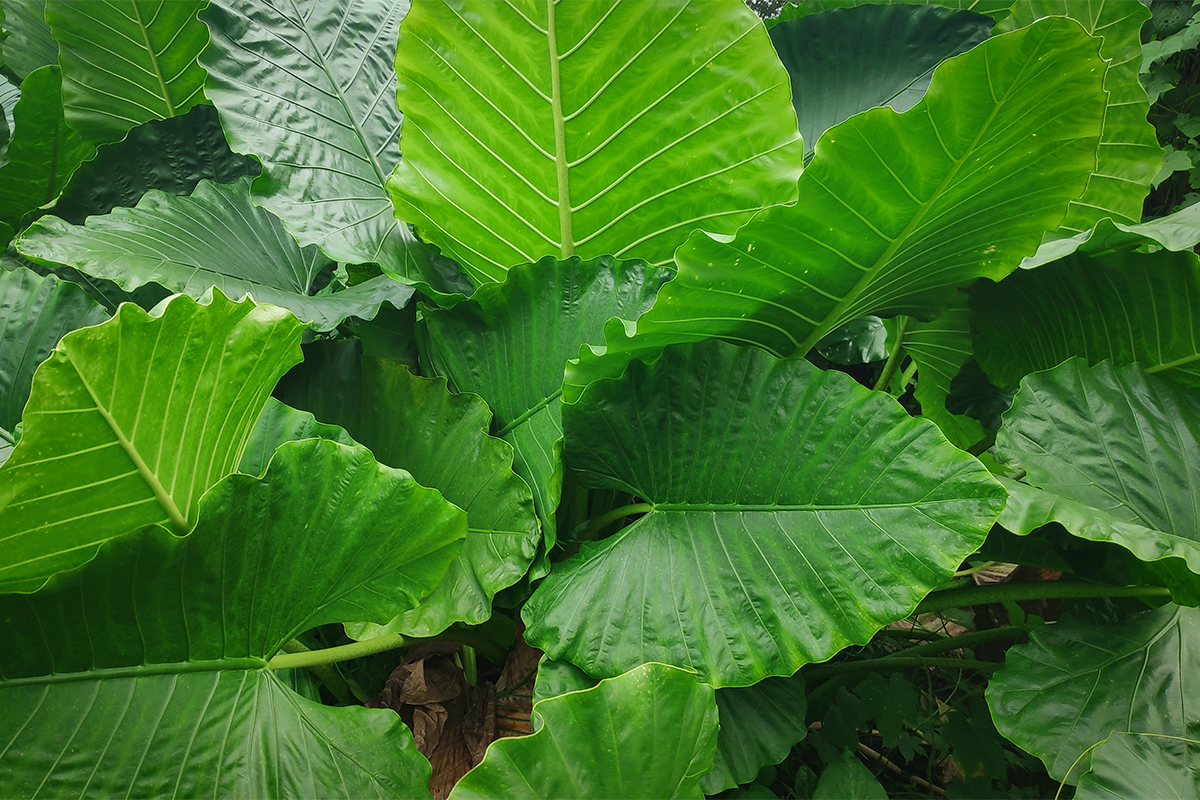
{"x": 879, "y": 758}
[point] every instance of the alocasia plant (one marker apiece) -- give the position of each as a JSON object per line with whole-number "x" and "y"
{"x": 563, "y": 308}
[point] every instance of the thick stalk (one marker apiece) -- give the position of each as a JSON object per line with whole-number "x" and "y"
{"x": 604, "y": 520}
{"x": 895, "y": 358}
{"x": 1035, "y": 590}
{"x": 325, "y": 673}
{"x": 345, "y": 652}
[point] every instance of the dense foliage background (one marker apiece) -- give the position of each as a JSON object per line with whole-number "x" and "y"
{"x": 600, "y": 400}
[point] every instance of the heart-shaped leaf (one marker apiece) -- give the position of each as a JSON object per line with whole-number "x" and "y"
{"x": 156, "y": 681}
{"x": 130, "y": 422}
{"x": 789, "y": 513}
{"x": 533, "y": 130}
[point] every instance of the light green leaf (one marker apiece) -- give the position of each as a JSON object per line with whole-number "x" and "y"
{"x": 1074, "y": 683}
{"x": 1178, "y": 231}
{"x": 29, "y": 44}
{"x": 792, "y": 513}
{"x": 533, "y": 130}
{"x": 759, "y": 723}
{"x": 215, "y": 237}
{"x": 1129, "y": 156}
{"x": 35, "y": 312}
{"x": 1139, "y": 766}
{"x": 533, "y": 322}
{"x": 897, "y": 209}
{"x": 168, "y": 154}
{"x": 308, "y": 88}
{"x": 849, "y": 60}
{"x": 847, "y": 779}
{"x": 1078, "y": 431}
{"x": 1123, "y": 307}
{"x": 43, "y": 152}
{"x": 126, "y": 62}
{"x": 155, "y": 676}
{"x": 940, "y": 347}
{"x": 649, "y": 733}
{"x": 279, "y": 423}
{"x": 120, "y": 428}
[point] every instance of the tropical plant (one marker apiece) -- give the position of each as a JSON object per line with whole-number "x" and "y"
{"x": 739, "y": 365}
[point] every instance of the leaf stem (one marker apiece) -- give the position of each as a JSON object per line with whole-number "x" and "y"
{"x": 325, "y": 673}
{"x": 895, "y": 357}
{"x": 345, "y": 652}
{"x": 604, "y": 520}
{"x": 1036, "y": 590}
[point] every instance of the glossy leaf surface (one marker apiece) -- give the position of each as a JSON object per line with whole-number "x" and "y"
{"x": 118, "y": 432}
{"x": 1074, "y": 683}
{"x": 35, "y": 312}
{"x": 1132, "y": 766}
{"x": 1123, "y": 307}
{"x": 279, "y": 423}
{"x": 1129, "y": 156}
{"x": 309, "y": 89}
{"x": 648, "y": 733}
{"x": 1078, "y": 431}
{"x": 510, "y": 342}
{"x": 533, "y": 130}
{"x": 793, "y": 513}
{"x": 29, "y": 44}
{"x": 1178, "y": 231}
{"x": 896, "y": 209}
{"x": 849, "y": 60}
{"x": 215, "y": 237}
{"x": 43, "y": 152}
{"x": 158, "y": 678}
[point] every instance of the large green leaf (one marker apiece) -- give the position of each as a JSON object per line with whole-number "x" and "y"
{"x": 1133, "y": 766}
{"x": 43, "y": 152}
{"x": 510, "y": 342}
{"x": 441, "y": 439}
{"x": 853, "y": 59}
{"x": 1114, "y": 456}
{"x": 168, "y": 154}
{"x": 148, "y": 673}
{"x": 278, "y": 424}
{"x": 215, "y": 237}
{"x": 897, "y": 209}
{"x": 126, "y": 62}
{"x": 35, "y": 312}
{"x": 1123, "y": 307}
{"x": 307, "y": 87}
{"x": 791, "y": 513}
{"x": 1178, "y": 231}
{"x": 29, "y": 44}
{"x": 648, "y": 733}
{"x": 130, "y": 422}
{"x": 611, "y": 128}
{"x": 1075, "y": 682}
{"x": 940, "y": 347}
{"x": 1129, "y": 156}
{"x": 759, "y": 723}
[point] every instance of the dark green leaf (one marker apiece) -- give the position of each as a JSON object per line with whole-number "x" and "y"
{"x": 156, "y": 676}
{"x": 1114, "y": 456}
{"x": 857, "y": 342}
{"x": 793, "y": 513}
{"x": 649, "y": 733}
{"x": 215, "y": 237}
{"x": 118, "y": 432}
{"x": 1137, "y": 766}
{"x": 589, "y": 131}
{"x": 940, "y": 347}
{"x": 126, "y": 62}
{"x": 279, "y": 423}
{"x": 1074, "y": 683}
{"x": 847, "y": 779}
{"x": 29, "y": 44}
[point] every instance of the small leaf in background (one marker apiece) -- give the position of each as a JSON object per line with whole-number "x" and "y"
{"x": 859, "y": 341}
{"x": 159, "y": 678}
{"x": 940, "y": 348}
{"x": 279, "y": 423}
{"x": 592, "y": 132}
{"x": 43, "y": 151}
{"x": 114, "y": 439}
{"x": 848, "y": 779}
{"x": 170, "y": 241}
{"x": 125, "y": 63}
{"x": 792, "y": 512}
{"x": 1076, "y": 430}
{"x": 649, "y": 733}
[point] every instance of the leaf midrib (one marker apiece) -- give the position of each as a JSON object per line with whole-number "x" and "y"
{"x": 566, "y": 235}
{"x": 162, "y": 84}
{"x": 139, "y": 671}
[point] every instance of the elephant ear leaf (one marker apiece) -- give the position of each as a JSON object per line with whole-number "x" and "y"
{"x": 117, "y": 431}
{"x": 648, "y": 733}
{"x": 1137, "y": 765}
{"x": 592, "y": 132}
{"x": 159, "y": 682}
{"x": 788, "y": 512}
